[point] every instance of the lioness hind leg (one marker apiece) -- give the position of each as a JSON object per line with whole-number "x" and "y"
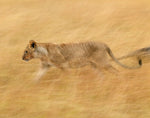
{"x": 103, "y": 65}
{"x": 108, "y": 67}
{"x": 111, "y": 69}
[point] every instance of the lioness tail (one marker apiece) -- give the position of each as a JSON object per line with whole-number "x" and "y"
{"x": 113, "y": 57}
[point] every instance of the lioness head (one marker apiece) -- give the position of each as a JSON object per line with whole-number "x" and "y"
{"x": 30, "y": 51}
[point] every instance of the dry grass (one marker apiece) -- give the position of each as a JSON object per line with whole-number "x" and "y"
{"x": 122, "y": 24}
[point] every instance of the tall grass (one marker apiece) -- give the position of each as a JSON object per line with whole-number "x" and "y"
{"x": 78, "y": 93}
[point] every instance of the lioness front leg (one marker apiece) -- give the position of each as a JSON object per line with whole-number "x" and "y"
{"x": 41, "y": 71}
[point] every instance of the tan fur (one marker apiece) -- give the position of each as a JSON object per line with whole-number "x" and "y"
{"x": 71, "y": 55}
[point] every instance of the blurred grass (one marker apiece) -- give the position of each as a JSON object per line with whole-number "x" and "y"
{"x": 79, "y": 93}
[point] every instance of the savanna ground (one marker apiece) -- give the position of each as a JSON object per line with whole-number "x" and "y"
{"x": 79, "y": 93}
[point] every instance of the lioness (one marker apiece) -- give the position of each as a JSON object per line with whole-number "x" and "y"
{"x": 71, "y": 55}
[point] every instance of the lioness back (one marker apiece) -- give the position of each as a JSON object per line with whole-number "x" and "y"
{"x": 80, "y": 50}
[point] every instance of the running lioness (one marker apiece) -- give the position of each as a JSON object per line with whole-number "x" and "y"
{"x": 71, "y": 55}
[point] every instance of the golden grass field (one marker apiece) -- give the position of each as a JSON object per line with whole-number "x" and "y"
{"x": 79, "y": 93}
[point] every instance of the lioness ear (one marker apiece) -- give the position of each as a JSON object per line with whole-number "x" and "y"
{"x": 32, "y": 44}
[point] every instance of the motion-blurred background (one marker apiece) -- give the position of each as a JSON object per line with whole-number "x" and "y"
{"x": 80, "y": 93}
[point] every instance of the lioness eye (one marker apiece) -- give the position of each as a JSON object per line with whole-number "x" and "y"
{"x": 26, "y": 51}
